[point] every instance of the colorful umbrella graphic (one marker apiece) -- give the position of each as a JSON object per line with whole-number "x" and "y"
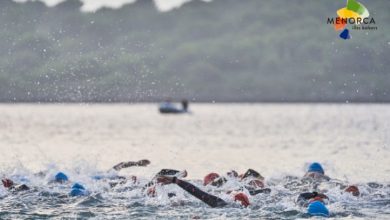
{"x": 354, "y": 10}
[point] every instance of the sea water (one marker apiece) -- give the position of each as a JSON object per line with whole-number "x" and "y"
{"x": 278, "y": 140}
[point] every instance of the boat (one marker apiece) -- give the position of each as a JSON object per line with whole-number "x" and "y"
{"x": 168, "y": 107}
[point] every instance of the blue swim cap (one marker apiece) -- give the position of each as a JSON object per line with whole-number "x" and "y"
{"x": 316, "y": 208}
{"x": 78, "y": 186}
{"x": 316, "y": 167}
{"x": 61, "y": 177}
{"x": 77, "y": 192}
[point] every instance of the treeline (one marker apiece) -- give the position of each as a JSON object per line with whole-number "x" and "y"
{"x": 225, "y": 50}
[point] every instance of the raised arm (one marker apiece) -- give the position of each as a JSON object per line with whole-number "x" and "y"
{"x": 122, "y": 165}
{"x": 166, "y": 173}
{"x": 207, "y": 198}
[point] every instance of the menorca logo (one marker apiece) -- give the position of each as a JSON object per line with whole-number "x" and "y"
{"x": 355, "y": 14}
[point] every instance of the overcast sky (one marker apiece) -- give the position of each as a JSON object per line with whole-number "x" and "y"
{"x": 93, "y": 5}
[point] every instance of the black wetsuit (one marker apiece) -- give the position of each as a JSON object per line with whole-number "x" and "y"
{"x": 122, "y": 165}
{"x": 304, "y": 198}
{"x": 163, "y": 172}
{"x": 307, "y": 195}
{"x": 219, "y": 182}
{"x": 258, "y": 191}
{"x": 252, "y": 173}
{"x": 209, "y": 199}
{"x": 18, "y": 188}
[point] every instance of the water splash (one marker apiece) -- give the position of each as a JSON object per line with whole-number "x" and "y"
{"x": 128, "y": 200}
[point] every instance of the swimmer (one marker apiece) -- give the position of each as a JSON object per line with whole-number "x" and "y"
{"x": 60, "y": 177}
{"x": 211, "y": 200}
{"x": 254, "y": 182}
{"x": 304, "y": 199}
{"x": 214, "y": 179}
{"x": 317, "y": 208}
{"x": 120, "y": 180}
{"x": 354, "y": 190}
{"x": 316, "y": 172}
{"x": 150, "y": 187}
{"x": 315, "y": 203}
{"x": 251, "y": 179}
{"x": 11, "y": 186}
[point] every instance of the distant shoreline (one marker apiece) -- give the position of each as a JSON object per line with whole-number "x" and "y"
{"x": 207, "y": 102}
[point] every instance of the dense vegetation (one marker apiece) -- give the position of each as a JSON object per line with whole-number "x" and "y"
{"x": 226, "y": 50}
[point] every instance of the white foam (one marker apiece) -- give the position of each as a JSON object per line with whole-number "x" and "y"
{"x": 94, "y": 5}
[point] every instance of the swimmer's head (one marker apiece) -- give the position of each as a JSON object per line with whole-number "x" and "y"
{"x": 316, "y": 168}
{"x": 232, "y": 174}
{"x": 7, "y": 183}
{"x": 61, "y": 177}
{"x": 354, "y": 190}
{"x": 77, "y": 192}
{"x": 242, "y": 198}
{"x": 317, "y": 208}
{"x": 209, "y": 178}
{"x": 78, "y": 186}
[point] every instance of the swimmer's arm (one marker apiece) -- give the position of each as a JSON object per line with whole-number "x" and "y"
{"x": 21, "y": 187}
{"x": 165, "y": 172}
{"x": 209, "y": 199}
{"x": 258, "y": 191}
{"x": 122, "y": 165}
{"x": 307, "y": 195}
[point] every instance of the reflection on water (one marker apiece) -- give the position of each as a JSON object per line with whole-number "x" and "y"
{"x": 352, "y": 141}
